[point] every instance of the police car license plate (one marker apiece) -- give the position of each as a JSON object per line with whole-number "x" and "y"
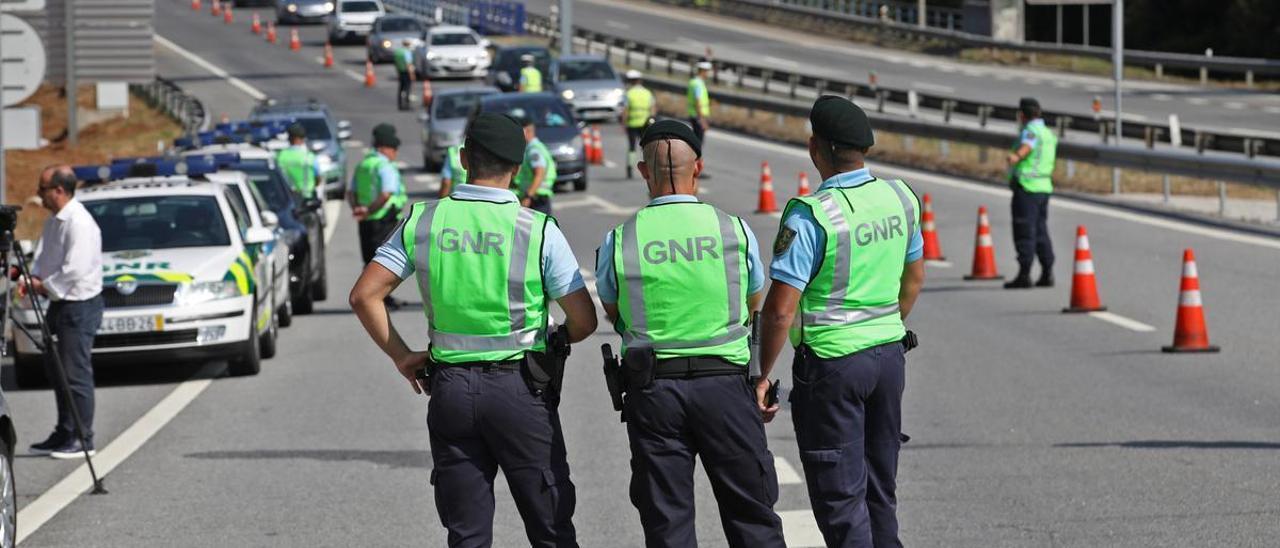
{"x": 132, "y": 324}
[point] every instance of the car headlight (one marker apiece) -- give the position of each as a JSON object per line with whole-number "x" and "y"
{"x": 325, "y": 162}
{"x": 328, "y": 7}
{"x": 293, "y": 8}
{"x": 566, "y": 151}
{"x": 567, "y": 94}
{"x": 386, "y": 44}
{"x": 615, "y": 95}
{"x": 432, "y": 56}
{"x": 202, "y": 292}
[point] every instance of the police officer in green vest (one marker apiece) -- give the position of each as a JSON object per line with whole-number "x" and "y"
{"x": 690, "y": 278}
{"x": 1031, "y": 177}
{"x": 637, "y": 113}
{"x": 403, "y": 59}
{"x": 535, "y": 182}
{"x": 487, "y": 269}
{"x": 452, "y": 174}
{"x": 298, "y": 163}
{"x": 847, "y": 260}
{"x": 530, "y": 76}
{"x": 699, "y": 101}
{"x": 378, "y": 194}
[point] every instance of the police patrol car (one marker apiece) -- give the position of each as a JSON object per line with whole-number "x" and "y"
{"x": 187, "y": 274}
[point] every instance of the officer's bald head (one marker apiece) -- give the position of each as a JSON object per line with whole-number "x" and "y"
{"x": 670, "y": 166}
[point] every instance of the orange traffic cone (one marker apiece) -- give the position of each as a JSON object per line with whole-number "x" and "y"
{"x": 226, "y": 15}
{"x": 195, "y": 5}
{"x": 804, "y": 185}
{"x": 1084, "y": 283}
{"x": 328, "y": 55}
{"x": 598, "y": 142}
{"x": 1190, "y": 334}
{"x": 768, "y": 203}
{"x": 215, "y": 9}
{"x": 271, "y": 32}
{"x": 984, "y": 253}
{"x": 369, "y": 79}
{"x": 294, "y": 43}
{"x": 426, "y": 93}
{"x": 256, "y": 27}
{"x": 587, "y": 149}
{"x": 929, "y": 232}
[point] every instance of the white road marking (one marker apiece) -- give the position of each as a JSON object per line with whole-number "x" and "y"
{"x": 945, "y": 68}
{"x": 779, "y": 61}
{"x": 1095, "y": 89}
{"x": 610, "y": 207}
{"x": 425, "y": 178}
{"x": 1234, "y": 105}
{"x": 1033, "y": 81}
{"x": 1060, "y": 201}
{"x": 1197, "y": 100}
{"x": 1122, "y": 321}
{"x": 354, "y": 75}
{"x": 610, "y": 164}
{"x": 1162, "y": 97}
{"x": 933, "y": 87}
{"x": 319, "y": 60}
{"x": 1004, "y": 77}
{"x": 199, "y": 61}
{"x": 800, "y": 530}
{"x": 1272, "y": 110}
{"x": 787, "y": 475}
{"x": 570, "y": 204}
{"x": 353, "y": 143}
{"x": 331, "y": 210}
{"x": 938, "y": 264}
{"x": 1062, "y": 85}
{"x": 617, "y": 25}
{"x": 63, "y": 493}
{"x": 402, "y": 165}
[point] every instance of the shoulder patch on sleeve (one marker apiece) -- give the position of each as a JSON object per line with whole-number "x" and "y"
{"x": 783, "y": 241}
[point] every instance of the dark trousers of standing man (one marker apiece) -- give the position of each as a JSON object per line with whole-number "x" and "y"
{"x": 714, "y": 417}
{"x": 73, "y": 325}
{"x": 847, "y": 413}
{"x": 373, "y": 234}
{"x": 483, "y": 418}
{"x": 697, "y": 128}
{"x": 404, "y": 91}
{"x": 1031, "y": 229}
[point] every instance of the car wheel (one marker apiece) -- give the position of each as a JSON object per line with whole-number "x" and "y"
{"x": 285, "y": 313}
{"x": 429, "y": 165}
{"x": 303, "y": 301}
{"x": 267, "y": 346}
{"x": 248, "y": 360}
{"x": 8, "y": 501}
{"x": 320, "y": 287}
{"x": 29, "y": 371}
{"x": 580, "y": 184}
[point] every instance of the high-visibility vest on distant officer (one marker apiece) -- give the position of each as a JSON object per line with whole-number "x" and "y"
{"x": 639, "y": 106}
{"x": 298, "y": 165}
{"x": 1035, "y": 171}
{"x": 670, "y": 261}
{"x": 852, "y": 302}
{"x": 369, "y": 186}
{"x": 530, "y": 80}
{"x": 480, "y": 277}
{"x": 699, "y": 101}
{"x": 524, "y": 177}
{"x": 453, "y": 169}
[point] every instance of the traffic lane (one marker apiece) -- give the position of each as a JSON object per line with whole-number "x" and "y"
{"x": 758, "y": 44}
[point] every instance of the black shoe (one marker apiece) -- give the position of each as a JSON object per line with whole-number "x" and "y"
{"x": 54, "y": 441}
{"x": 71, "y": 450}
{"x": 1046, "y": 280}
{"x": 1021, "y": 282}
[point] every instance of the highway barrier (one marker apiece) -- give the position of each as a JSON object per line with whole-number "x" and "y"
{"x": 491, "y": 18}
{"x": 167, "y": 97}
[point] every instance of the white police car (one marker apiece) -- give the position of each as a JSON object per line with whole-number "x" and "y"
{"x": 187, "y": 275}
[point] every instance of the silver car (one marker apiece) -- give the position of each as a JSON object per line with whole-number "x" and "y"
{"x": 303, "y": 11}
{"x": 354, "y": 19}
{"x": 589, "y": 84}
{"x": 454, "y": 51}
{"x": 444, "y": 123}
{"x": 390, "y": 32}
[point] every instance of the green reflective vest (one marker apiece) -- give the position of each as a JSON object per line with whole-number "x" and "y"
{"x": 298, "y": 165}
{"x": 453, "y": 158}
{"x": 698, "y": 99}
{"x": 369, "y": 187}
{"x": 1035, "y": 172}
{"x": 852, "y": 302}
{"x": 639, "y": 106}
{"x": 682, "y": 276}
{"x": 531, "y": 79}
{"x": 524, "y": 177}
{"x": 403, "y": 57}
{"x": 479, "y": 268}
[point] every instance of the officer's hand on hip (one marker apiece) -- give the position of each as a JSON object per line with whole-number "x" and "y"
{"x": 410, "y": 364}
{"x": 762, "y": 397}
{"x": 360, "y": 212}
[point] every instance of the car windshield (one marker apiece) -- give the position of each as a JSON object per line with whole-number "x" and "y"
{"x": 400, "y": 24}
{"x": 454, "y": 105}
{"x": 545, "y": 113}
{"x": 509, "y": 60}
{"x": 269, "y": 182}
{"x": 585, "y": 70}
{"x": 317, "y": 129}
{"x": 159, "y": 222}
{"x": 359, "y": 7}
{"x": 453, "y": 39}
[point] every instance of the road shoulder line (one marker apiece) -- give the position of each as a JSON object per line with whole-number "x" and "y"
{"x": 199, "y": 61}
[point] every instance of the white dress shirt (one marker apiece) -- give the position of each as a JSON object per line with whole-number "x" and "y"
{"x": 69, "y": 254}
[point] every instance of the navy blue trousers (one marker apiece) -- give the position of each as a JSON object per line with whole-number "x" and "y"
{"x": 716, "y": 418}
{"x": 481, "y": 420}
{"x": 847, "y": 413}
{"x": 1031, "y": 229}
{"x": 74, "y": 324}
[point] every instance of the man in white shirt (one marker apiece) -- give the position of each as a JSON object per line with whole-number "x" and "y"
{"x": 68, "y": 270}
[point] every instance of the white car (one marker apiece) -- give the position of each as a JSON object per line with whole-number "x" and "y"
{"x": 247, "y": 198}
{"x": 353, "y": 19}
{"x": 453, "y": 51}
{"x": 186, "y": 276}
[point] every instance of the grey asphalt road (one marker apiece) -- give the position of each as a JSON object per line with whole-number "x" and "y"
{"x": 1029, "y": 428}
{"x": 788, "y": 49}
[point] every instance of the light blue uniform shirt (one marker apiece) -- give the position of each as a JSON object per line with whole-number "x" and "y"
{"x": 388, "y": 174}
{"x": 607, "y": 278}
{"x": 1029, "y": 137}
{"x": 799, "y": 262}
{"x": 560, "y": 273}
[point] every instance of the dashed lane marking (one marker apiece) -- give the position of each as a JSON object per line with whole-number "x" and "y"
{"x": 925, "y": 86}
{"x": 1200, "y": 101}
{"x": 353, "y": 143}
{"x": 331, "y": 210}
{"x": 1162, "y": 97}
{"x": 938, "y": 264}
{"x": 787, "y": 474}
{"x": 353, "y": 75}
{"x": 617, "y": 25}
{"x": 800, "y": 530}
{"x": 199, "y": 61}
{"x": 1122, "y": 321}
{"x": 66, "y": 491}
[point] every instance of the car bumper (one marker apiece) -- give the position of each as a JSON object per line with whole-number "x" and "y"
{"x": 303, "y": 17}
{"x": 457, "y": 70}
{"x": 187, "y": 328}
{"x": 350, "y": 30}
{"x": 570, "y": 170}
{"x": 596, "y": 110}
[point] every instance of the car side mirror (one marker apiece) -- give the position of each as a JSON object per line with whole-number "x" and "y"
{"x": 485, "y": 43}
{"x": 317, "y": 146}
{"x": 259, "y": 235}
{"x": 344, "y": 124}
{"x": 270, "y": 219}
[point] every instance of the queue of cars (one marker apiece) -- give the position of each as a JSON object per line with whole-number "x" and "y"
{"x": 207, "y": 253}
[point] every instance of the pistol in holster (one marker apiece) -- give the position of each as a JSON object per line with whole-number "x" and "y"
{"x": 544, "y": 371}
{"x": 638, "y": 367}
{"x": 425, "y": 373}
{"x": 910, "y": 341}
{"x": 613, "y": 378}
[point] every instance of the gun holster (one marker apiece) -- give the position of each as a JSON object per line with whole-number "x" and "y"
{"x": 638, "y": 365}
{"x": 613, "y": 378}
{"x": 544, "y": 371}
{"x": 910, "y": 341}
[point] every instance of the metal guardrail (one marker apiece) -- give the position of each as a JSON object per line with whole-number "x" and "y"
{"x": 488, "y": 17}
{"x": 168, "y": 98}
{"x": 1158, "y": 60}
{"x": 790, "y": 84}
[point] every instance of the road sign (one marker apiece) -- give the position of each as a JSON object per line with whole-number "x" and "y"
{"x": 21, "y": 5}
{"x": 23, "y": 59}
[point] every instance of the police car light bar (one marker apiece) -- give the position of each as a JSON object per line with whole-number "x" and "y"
{"x": 159, "y": 166}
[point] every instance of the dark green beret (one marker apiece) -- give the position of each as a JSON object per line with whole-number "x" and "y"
{"x": 672, "y": 129}
{"x": 296, "y": 131}
{"x": 384, "y": 135}
{"x": 837, "y": 120}
{"x": 1028, "y": 106}
{"x": 500, "y": 134}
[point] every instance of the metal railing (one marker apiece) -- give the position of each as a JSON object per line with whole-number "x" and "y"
{"x": 168, "y": 98}
{"x": 498, "y": 17}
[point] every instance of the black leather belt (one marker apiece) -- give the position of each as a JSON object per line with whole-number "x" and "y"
{"x": 692, "y": 368}
{"x": 508, "y": 365}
